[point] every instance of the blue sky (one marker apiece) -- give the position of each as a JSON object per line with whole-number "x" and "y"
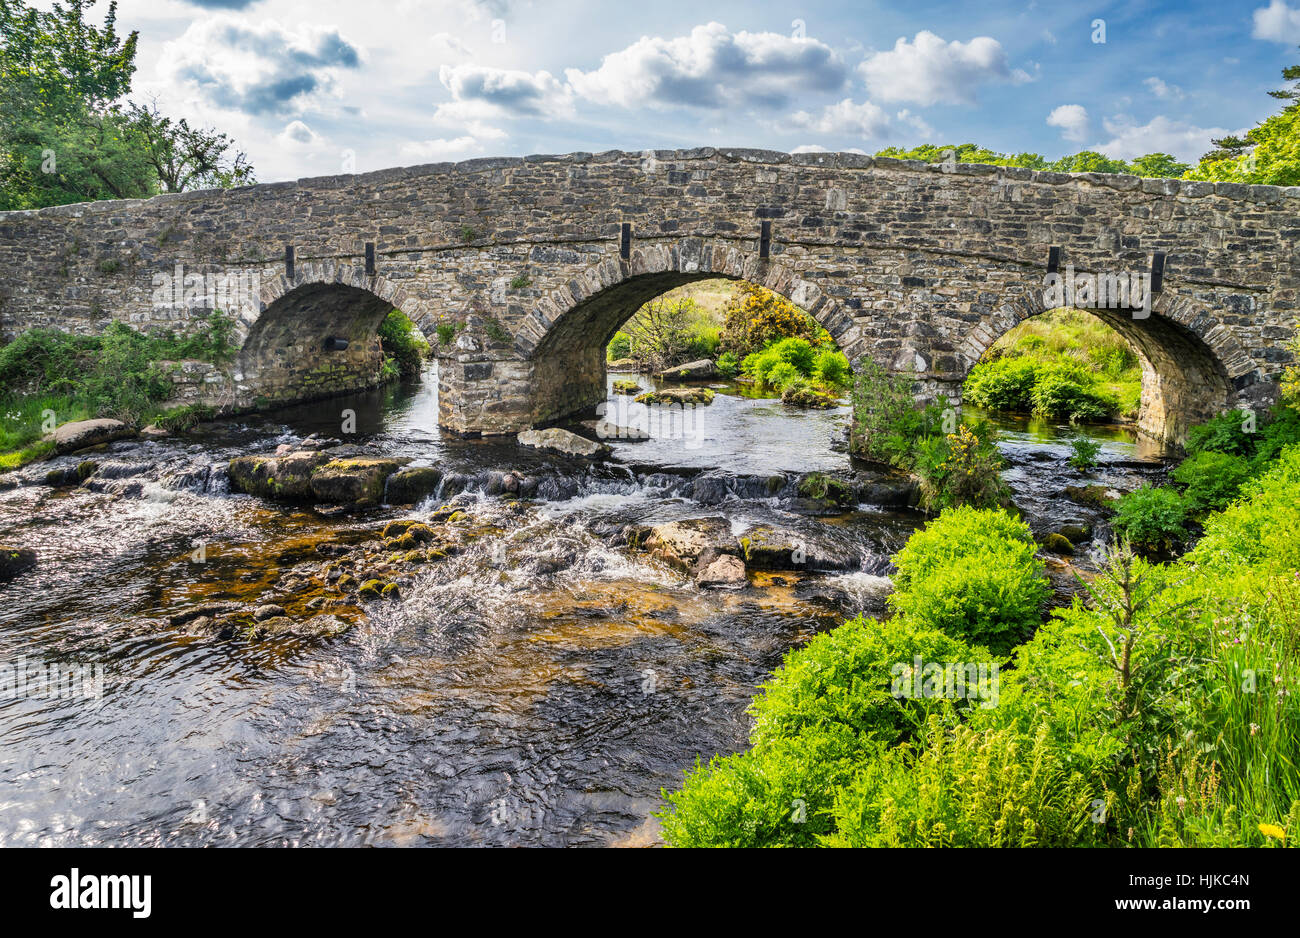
{"x": 310, "y": 87}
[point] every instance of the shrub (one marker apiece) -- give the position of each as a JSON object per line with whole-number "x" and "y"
{"x": 446, "y": 332}
{"x": 620, "y": 347}
{"x": 755, "y": 317}
{"x": 1084, "y": 453}
{"x": 1224, "y": 433}
{"x": 886, "y": 421}
{"x": 803, "y": 394}
{"x": 1211, "y": 480}
{"x": 973, "y": 574}
{"x": 1152, "y": 519}
{"x": 831, "y": 368}
{"x": 796, "y": 352}
{"x": 962, "y": 468}
{"x": 1060, "y": 391}
{"x": 782, "y": 375}
{"x": 728, "y": 364}
{"x": 403, "y": 343}
{"x": 1005, "y": 384}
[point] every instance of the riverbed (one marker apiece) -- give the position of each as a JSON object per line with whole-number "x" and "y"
{"x": 540, "y": 687}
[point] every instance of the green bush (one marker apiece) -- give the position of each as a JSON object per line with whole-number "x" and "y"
{"x": 403, "y": 343}
{"x": 782, "y": 375}
{"x": 1061, "y": 391}
{"x": 1084, "y": 453}
{"x": 1224, "y": 433}
{"x": 1152, "y": 519}
{"x": 1211, "y": 480}
{"x": 620, "y": 347}
{"x": 728, "y": 364}
{"x": 796, "y": 352}
{"x": 962, "y": 468}
{"x": 972, "y": 574}
{"x": 1005, "y": 384}
{"x": 831, "y": 368}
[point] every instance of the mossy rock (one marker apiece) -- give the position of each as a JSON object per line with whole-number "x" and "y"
{"x": 412, "y": 485}
{"x": 395, "y": 529}
{"x": 677, "y": 396}
{"x": 1094, "y": 496}
{"x": 287, "y": 476}
{"x": 1058, "y": 544}
{"x": 372, "y": 589}
{"x": 346, "y": 582}
{"x": 623, "y": 386}
{"x": 391, "y": 591}
{"x": 15, "y": 560}
{"x": 1075, "y": 533}
{"x": 357, "y": 482}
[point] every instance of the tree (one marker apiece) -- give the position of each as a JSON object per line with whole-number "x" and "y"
{"x": 1087, "y": 161}
{"x": 66, "y": 131}
{"x": 755, "y": 316}
{"x": 1269, "y": 154}
{"x": 185, "y": 157}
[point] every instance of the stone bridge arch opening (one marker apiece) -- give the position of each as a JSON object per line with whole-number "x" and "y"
{"x": 316, "y": 337}
{"x": 1185, "y": 359}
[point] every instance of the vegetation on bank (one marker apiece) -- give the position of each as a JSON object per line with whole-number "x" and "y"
{"x": 405, "y": 348}
{"x": 1162, "y": 711}
{"x": 753, "y": 332}
{"x": 48, "y": 377}
{"x": 1065, "y": 364}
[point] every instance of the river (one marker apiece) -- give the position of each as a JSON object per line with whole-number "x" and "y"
{"x": 538, "y": 688}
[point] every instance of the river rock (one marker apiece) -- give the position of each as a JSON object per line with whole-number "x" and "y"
{"x": 562, "y": 441}
{"x": 357, "y": 482}
{"x": 623, "y": 365}
{"x": 699, "y": 370}
{"x": 725, "y": 572}
{"x": 287, "y": 476}
{"x": 1094, "y": 496}
{"x": 269, "y": 611}
{"x": 83, "y": 433}
{"x": 676, "y": 396}
{"x": 680, "y": 543}
{"x": 412, "y": 485}
{"x": 15, "y": 560}
{"x": 154, "y": 432}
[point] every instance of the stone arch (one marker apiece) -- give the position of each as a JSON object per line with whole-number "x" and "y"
{"x": 1192, "y": 366}
{"x": 563, "y": 338}
{"x": 283, "y": 355}
{"x": 588, "y": 309}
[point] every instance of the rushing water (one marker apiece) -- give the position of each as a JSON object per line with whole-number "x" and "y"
{"x": 540, "y": 687}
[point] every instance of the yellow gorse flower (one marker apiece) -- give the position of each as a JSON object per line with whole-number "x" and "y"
{"x": 1272, "y": 830}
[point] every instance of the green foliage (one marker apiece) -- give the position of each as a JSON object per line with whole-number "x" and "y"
{"x": 1004, "y": 384}
{"x": 620, "y": 347}
{"x": 1269, "y": 154}
{"x": 962, "y": 468}
{"x": 446, "y": 332}
{"x": 1087, "y": 161}
{"x": 1084, "y": 453}
{"x": 66, "y": 131}
{"x": 403, "y": 344}
{"x": 831, "y": 368}
{"x": 497, "y": 332}
{"x": 1062, "y": 391}
{"x": 1223, "y": 433}
{"x": 1152, "y": 519}
{"x": 1211, "y": 480}
{"x": 886, "y": 421}
{"x": 520, "y": 282}
{"x": 972, "y": 574}
{"x": 781, "y": 375}
{"x": 666, "y": 332}
{"x": 728, "y": 365}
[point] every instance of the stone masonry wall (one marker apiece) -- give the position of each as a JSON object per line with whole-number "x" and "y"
{"x": 920, "y": 268}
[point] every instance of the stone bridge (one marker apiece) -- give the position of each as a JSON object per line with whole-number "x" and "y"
{"x": 538, "y": 260}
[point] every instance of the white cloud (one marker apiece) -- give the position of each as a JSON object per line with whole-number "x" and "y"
{"x": 297, "y": 134}
{"x": 712, "y": 68}
{"x": 1160, "y": 135}
{"x": 262, "y": 68}
{"x": 929, "y": 71}
{"x": 866, "y": 120}
{"x": 481, "y": 92}
{"x": 1162, "y": 89}
{"x": 1073, "y": 121}
{"x": 1277, "y": 22}
{"x": 442, "y": 149}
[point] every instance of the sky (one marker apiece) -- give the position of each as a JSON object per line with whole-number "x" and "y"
{"x": 318, "y": 87}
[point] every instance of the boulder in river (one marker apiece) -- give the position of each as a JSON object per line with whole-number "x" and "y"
{"x": 725, "y": 572}
{"x": 676, "y": 396}
{"x": 700, "y": 370}
{"x": 680, "y": 543}
{"x": 287, "y": 476}
{"x": 562, "y": 441}
{"x": 412, "y": 485}
{"x": 80, "y": 434}
{"x": 15, "y": 560}
{"x": 358, "y": 482}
